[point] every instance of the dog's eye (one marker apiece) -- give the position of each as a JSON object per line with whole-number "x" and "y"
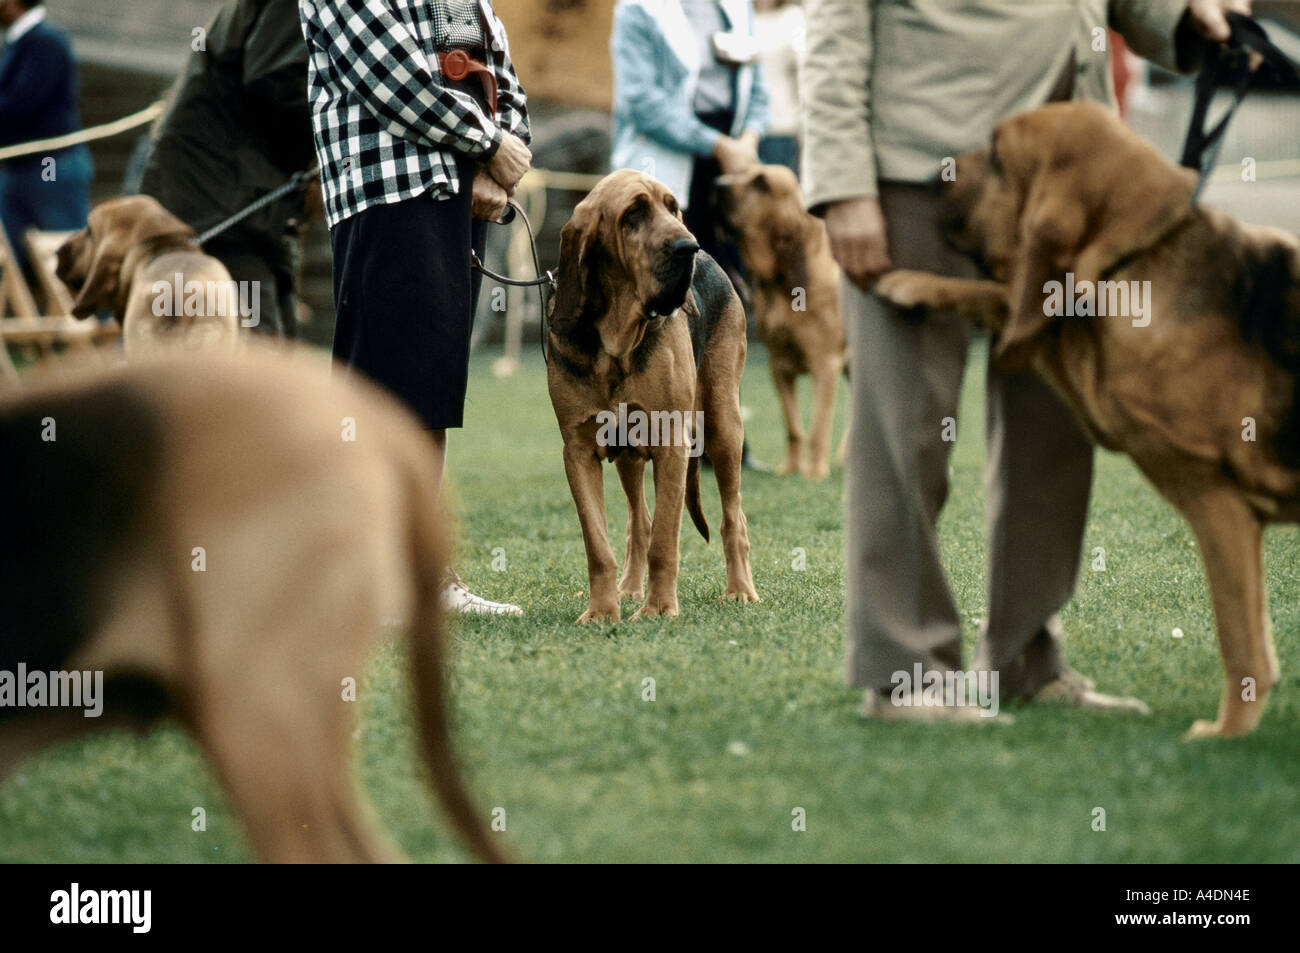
{"x": 995, "y": 162}
{"x": 671, "y": 203}
{"x": 634, "y": 216}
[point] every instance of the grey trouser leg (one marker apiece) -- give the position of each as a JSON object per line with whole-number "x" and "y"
{"x": 907, "y": 375}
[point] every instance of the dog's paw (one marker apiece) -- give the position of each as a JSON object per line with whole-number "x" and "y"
{"x": 743, "y": 596}
{"x": 905, "y": 288}
{"x": 651, "y": 610}
{"x": 817, "y": 471}
{"x": 638, "y": 594}
{"x": 1204, "y": 728}
{"x": 600, "y": 614}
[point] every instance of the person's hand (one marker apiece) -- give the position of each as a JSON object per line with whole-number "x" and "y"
{"x": 509, "y": 163}
{"x": 736, "y": 155}
{"x": 489, "y": 198}
{"x": 1208, "y": 16}
{"x": 856, "y": 229}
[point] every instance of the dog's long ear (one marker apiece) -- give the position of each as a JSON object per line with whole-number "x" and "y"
{"x": 1100, "y": 195}
{"x": 578, "y": 292}
{"x": 103, "y": 278}
{"x": 791, "y": 235}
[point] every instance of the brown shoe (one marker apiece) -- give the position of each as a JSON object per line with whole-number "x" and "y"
{"x": 1071, "y": 688}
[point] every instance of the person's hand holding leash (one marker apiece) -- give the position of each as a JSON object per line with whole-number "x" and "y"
{"x": 856, "y": 228}
{"x": 489, "y": 198}
{"x": 736, "y": 155}
{"x": 509, "y": 163}
{"x": 1208, "y": 16}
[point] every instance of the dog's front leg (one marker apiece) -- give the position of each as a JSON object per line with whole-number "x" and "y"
{"x": 665, "y": 530}
{"x": 1231, "y": 541}
{"x": 631, "y": 474}
{"x": 981, "y": 300}
{"x": 825, "y": 378}
{"x": 582, "y": 467}
{"x": 784, "y": 378}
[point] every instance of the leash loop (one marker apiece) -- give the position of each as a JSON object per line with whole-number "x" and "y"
{"x": 543, "y": 280}
{"x": 1228, "y": 63}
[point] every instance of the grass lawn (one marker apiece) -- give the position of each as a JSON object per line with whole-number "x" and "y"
{"x": 751, "y": 718}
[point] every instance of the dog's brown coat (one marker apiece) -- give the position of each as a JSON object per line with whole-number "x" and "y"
{"x": 785, "y": 252}
{"x": 628, "y": 300}
{"x": 128, "y": 245}
{"x": 1068, "y": 188}
{"x": 251, "y": 652}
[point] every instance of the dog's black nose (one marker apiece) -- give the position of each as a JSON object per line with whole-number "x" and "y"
{"x": 685, "y": 248}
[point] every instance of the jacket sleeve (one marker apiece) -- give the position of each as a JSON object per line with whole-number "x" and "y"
{"x": 385, "y": 68}
{"x": 838, "y": 161}
{"x": 29, "y": 86}
{"x": 1155, "y": 30}
{"x": 759, "y": 113}
{"x": 512, "y": 103}
{"x": 637, "y": 91}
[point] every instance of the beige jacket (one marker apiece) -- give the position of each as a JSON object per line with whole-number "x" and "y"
{"x": 892, "y": 87}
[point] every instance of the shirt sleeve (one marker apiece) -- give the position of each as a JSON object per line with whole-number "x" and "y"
{"x": 382, "y": 64}
{"x": 839, "y": 161}
{"x": 512, "y": 102}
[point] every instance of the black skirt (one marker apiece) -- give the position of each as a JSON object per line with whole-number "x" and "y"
{"x": 405, "y": 297}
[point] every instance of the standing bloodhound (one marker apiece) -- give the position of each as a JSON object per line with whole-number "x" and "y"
{"x": 642, "y": 322}
{"x": 1187, "y": 356}
{"x": 786, "y": 254}
{"x": 142, "y": 541}
{"x": 139, "y": 261}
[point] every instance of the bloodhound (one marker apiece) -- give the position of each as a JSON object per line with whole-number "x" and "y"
{"x": 1172, "y": 330}
{"x": 647, "y": 345}
{"x": 143, "y": 542}
{"x": 797, "y": 300}
{"x": 138, "y": 261}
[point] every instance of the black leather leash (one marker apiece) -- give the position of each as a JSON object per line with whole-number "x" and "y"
{"x": 1228, "y": 63}
{"x": 296, "y": 183}
{"x": 543, "y": 279}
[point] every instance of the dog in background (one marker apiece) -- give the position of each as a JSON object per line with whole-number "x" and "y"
{"x": 1187, "y": 357}
{"x": 142, "y": 540}
{"x": 644, "y": 322}
{"x": 139, "y": 261}
{"x": 796, "y": 283}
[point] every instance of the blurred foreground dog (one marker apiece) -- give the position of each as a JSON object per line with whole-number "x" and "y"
{"x": 647, "y": 345}
{"x": 142, "y": 539}
{"x": 1171, "y": 329}
{"x": 138, "y": 261}
{"x": 797, "y": 300}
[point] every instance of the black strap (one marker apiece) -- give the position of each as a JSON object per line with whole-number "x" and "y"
{"x": 1228, "y": 64}
{"x": 543, "y": 280}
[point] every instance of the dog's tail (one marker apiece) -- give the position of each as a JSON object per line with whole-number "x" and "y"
{"x": 429, "y": 562}
{"x": 693, "y": 497}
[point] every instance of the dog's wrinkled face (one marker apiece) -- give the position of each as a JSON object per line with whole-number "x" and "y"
{"x": 625, "y": 259}
{"x": 762, "y": 210}
{"x": 91, "y": 262}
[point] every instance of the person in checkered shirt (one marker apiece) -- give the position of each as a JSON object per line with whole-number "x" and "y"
{"x": 413, "y": 163}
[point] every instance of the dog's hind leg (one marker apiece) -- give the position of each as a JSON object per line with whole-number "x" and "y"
{"x": 825, "y": 378}
{"x": 631, "y": 474}
{"x": 783, "y": 378}
{"x": 724, "y": 438}
{"x": 587, "y": 484}
{"x": 1231, "y": 542}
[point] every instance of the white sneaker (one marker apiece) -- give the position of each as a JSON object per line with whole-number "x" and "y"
{"x": 457, "y": 598}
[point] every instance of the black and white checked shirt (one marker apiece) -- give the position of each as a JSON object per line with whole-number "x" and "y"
{"x": 386, "y": 128}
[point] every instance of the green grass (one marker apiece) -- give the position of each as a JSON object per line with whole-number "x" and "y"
{"x": 551, "y": 725}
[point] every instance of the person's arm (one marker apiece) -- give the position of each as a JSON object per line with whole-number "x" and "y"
{"x": 512, "y": 102}
{"x": 1171, "y": 33}
{"x": 383, "y": 65}
{"x": 654, "y": 113}
{"x": 759, "y": 113}
{"x": 29, "y": 88}
{"x": 838, "y": 161}
{"x": 839, "y": 164}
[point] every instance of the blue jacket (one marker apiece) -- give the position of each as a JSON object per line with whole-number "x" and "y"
{"x": 38, "y": 86}
{"x": 656, "y": 69}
